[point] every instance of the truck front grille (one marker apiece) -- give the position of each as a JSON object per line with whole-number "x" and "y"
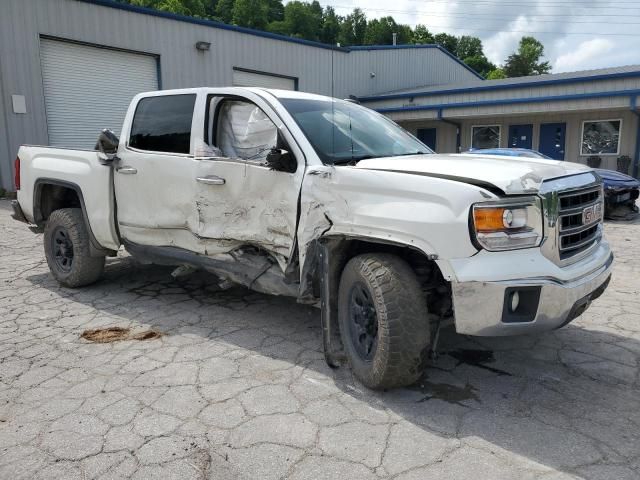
{"x": 580, "y": 220}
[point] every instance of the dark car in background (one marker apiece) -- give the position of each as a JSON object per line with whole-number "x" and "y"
{"x": 621, "y": 190}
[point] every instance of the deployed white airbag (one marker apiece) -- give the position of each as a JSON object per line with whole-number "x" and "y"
{"x": 245, "y": 131}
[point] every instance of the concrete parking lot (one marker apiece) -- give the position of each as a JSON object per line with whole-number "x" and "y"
{"x": 236, "y": 386}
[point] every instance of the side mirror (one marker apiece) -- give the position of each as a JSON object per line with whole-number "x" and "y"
{"x": 281, "y": 160}
{"x": 107, "y": 145}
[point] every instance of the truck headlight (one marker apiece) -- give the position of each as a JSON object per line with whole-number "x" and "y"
{"x": 508, "y": 225}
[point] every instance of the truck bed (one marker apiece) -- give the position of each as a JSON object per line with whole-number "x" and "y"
{"x": 79, "y": 170}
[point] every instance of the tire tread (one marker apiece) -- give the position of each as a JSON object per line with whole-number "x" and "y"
{"x": 86, "y": 268}
{"x": 403, "y": 320}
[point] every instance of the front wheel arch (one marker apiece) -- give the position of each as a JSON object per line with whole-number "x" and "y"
{"x": 321, "y": 279}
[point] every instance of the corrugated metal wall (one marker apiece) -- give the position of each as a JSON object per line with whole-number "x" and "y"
{"x": 22, "y": 22}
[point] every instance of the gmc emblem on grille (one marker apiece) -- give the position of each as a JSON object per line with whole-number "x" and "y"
{"x": 592, "y": 214}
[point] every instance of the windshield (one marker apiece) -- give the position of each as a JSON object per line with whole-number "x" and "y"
{"x": 344, "y": 132}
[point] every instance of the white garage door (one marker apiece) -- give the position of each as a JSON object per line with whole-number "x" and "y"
{"x": 87, "y": 89}
{"x": 242, "y": 78}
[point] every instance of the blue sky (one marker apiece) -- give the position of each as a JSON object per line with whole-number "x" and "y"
{"x": 578, "y": 35}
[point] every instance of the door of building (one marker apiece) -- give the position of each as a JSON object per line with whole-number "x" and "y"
{"x": 88, "y": 88}
{"x": 428, "y": 137}
{"x": 552, "y": 140}
{"x": 520, "y": 136}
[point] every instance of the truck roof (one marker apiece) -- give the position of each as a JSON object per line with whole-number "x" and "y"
{"x": 261, "y": 91}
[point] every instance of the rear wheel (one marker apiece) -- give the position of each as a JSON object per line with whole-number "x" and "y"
{"x": 67, "y": 248}
{"x": 384, "y": 320}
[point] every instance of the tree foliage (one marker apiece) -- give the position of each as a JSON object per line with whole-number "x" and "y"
{"x": 422, "y": 35}
{"x": 353, "y": 28}
{"x": 527, "y": 59}
{"x": 310, "y": 21}
{"x": 496, "y": 74}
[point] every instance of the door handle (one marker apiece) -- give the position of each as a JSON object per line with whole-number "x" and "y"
{"x": 211, "y": 180}
{"x": 127, "y": 170}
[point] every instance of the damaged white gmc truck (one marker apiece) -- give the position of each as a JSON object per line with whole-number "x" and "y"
{"x": 333, "y": 204}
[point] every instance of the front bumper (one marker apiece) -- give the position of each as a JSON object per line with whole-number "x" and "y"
{"x": 482, "y": 307}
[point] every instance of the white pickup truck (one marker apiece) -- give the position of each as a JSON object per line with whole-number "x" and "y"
{"x": 331, "y": 203}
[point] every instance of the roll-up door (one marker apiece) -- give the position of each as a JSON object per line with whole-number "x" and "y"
{"x": 89, "y": 88}
{"x": 243, "y": 78}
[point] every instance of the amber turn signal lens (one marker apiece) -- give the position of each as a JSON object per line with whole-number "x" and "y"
{"x": 488, "y": 219}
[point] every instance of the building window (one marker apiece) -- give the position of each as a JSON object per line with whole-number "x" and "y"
{"x": 601, "y": 137}
{"x": 485, "y": 136}
{"x": 163, "y": 124}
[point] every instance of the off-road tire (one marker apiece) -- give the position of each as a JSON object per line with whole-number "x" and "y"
{"x": 402, "y": 317}
{"x": 84, "y": 269}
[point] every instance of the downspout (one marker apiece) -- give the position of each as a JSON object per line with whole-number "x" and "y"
{"x": 636, "y": 156}
{"x": 458, "y": 126}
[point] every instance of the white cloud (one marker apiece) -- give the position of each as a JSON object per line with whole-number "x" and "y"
{"x": 590, "y": 52}
{"x": 573, "y": 33}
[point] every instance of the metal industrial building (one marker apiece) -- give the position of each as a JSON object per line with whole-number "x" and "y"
{"x": 567, "y": 116}
{"x": 70, "y": 67}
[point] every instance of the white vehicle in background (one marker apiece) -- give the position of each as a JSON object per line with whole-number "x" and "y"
{"x": 331, "y": 203}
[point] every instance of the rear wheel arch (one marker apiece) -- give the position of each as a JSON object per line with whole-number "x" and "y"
{"x": 51, "y": 194}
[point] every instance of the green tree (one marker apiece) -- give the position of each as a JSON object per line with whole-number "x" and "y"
{"x": 480, "y": 64}
{"x": 380, "y": 31}
{"x": 210, "y": 8}
{"x": 405, "y": 34}
{"x": 301, "y": 19}
{"x": 142, "y": 3}
{"x": 422, "y": 35}
{"x": 276, "y": 11}
{"x": 316, "y": 12}
{"x": 191, "y": 8}
{"x": 449, "y": 42}
{"x": 330, "y": 26}
{"x": 250, "y": 13}
{"x": 527, "y": 59}
{"x": 224, "y": 10}
{"x": 353, "y": 28}
{"x": 469, "y": 47}
{"x": 496, "y": 74}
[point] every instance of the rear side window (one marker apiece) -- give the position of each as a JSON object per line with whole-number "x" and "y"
{"x": 163, "y": 124}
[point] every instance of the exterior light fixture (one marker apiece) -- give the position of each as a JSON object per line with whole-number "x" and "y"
{"x": 203, "y": 46}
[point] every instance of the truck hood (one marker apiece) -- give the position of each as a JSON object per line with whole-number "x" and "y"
{"x": 510, "y": 175}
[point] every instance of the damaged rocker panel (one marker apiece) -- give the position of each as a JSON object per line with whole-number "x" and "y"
{"x": 245, "y": 266}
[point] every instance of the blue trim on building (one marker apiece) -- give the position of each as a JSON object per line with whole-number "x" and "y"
{"x": 393, "y": 47}
{"x": 508, "y": 86}
{"x": 510, "y": 101}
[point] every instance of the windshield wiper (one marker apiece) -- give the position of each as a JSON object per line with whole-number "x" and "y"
{"x": 419, "y": 152}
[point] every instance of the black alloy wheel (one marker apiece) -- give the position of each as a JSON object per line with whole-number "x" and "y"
{"x": 62, "y": 248}
{"x": 363, "y": 322}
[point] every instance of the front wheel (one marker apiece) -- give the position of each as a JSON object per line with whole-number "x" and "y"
{"x": 66, "y": 246}
{"x": 384, "y": 321}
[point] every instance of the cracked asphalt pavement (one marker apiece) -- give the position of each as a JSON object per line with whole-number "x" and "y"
{"x": 236, "y": 387}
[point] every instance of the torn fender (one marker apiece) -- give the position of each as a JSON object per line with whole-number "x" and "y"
{"x": 426, "y": 213}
